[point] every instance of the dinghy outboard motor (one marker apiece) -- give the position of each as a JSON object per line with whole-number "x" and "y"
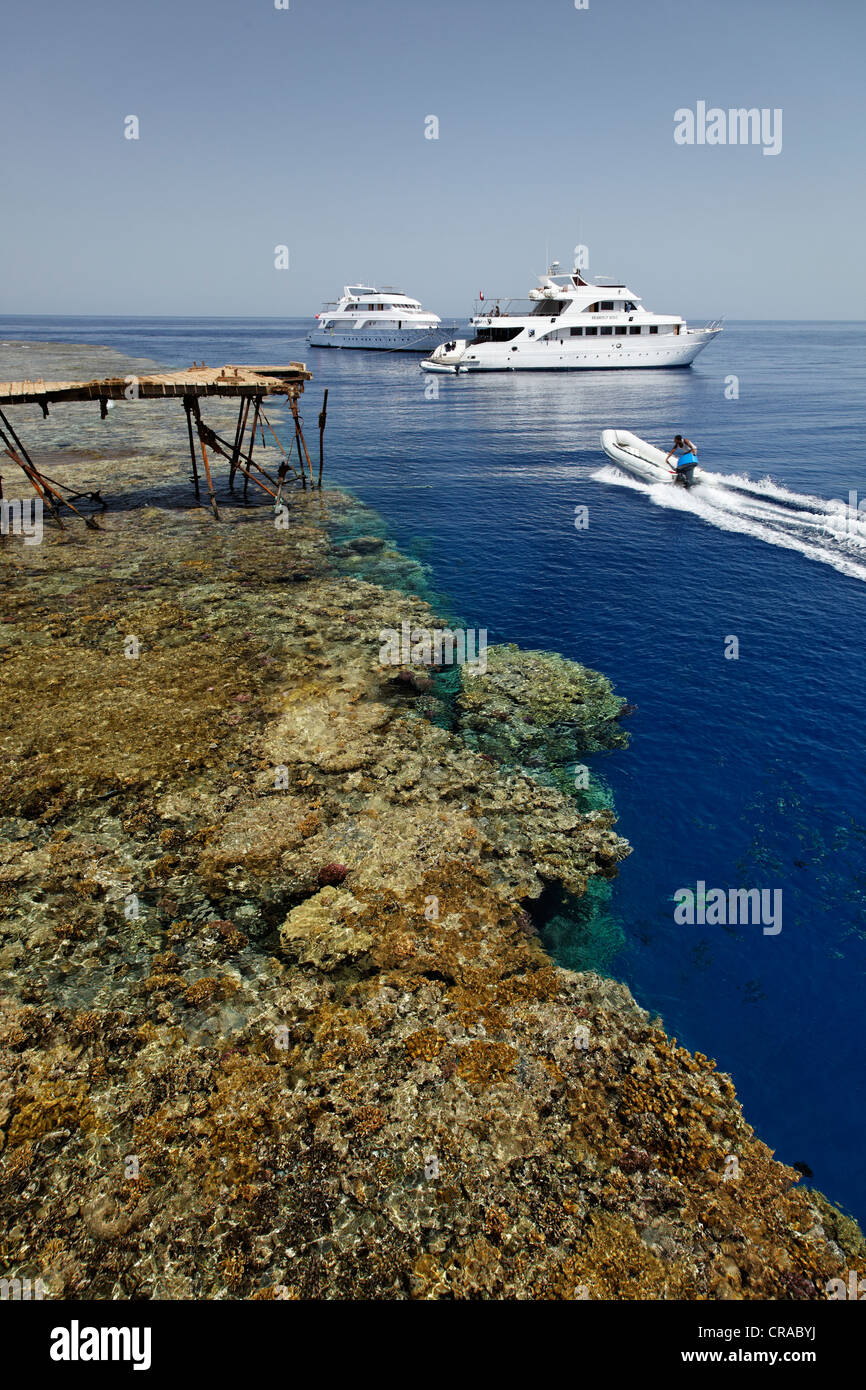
{"x": 686, "y": 475}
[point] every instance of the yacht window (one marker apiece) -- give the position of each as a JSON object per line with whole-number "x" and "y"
{"x": 495, "y": 335}
{"x": 654, "y": 328}
{"x": 620, "y": 332}
{"x": 634, "y": 330}
{"x": 590, "y": 332}
{"x": 577, "y": 332}
{"x": 606, "y": 305}
{"x": 607, "y": 330}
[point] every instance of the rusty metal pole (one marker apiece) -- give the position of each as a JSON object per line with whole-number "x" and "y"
{"x": 18, "y": 444}
{"x": 300, "y": 457}
{"x": 323, "y": 418}
{"x": 239, "y": 434}
{"x": 299, "y": 436}
{"x": 51, "y": 496}
{"x": 210, "y": 486}
{"x": 187, "y": 405}
{"x": 33, "y": 478}
{"x": 284, "y": 466}
{"x": 252, "y": 444}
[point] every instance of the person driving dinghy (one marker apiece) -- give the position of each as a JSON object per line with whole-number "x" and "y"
{"x": 688, "y": 460}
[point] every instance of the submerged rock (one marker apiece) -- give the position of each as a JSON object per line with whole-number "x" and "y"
{"x": 537, "y": 709}
{"x": 324, "y": 931}
{"x": 364, "y": 545}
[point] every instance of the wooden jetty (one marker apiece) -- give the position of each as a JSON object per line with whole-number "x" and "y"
{"x": 249, "y": 385}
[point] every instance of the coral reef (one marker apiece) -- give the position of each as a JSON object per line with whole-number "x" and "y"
{"x": 538, "y": 708}
{"x": 273, "y": 1019}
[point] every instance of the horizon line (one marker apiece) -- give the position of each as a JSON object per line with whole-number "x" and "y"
{"x": 282, "y": 318}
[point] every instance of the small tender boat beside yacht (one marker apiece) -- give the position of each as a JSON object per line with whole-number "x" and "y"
{"x": 574, "y": 323}
{"x": 635, "y": 455}
{"x": 386, "y": 319}
{"x": 448, "y": 357}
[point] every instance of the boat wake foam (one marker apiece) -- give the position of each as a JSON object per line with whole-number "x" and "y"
{"x": 828, "y": 532}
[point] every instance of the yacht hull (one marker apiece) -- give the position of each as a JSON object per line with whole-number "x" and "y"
{"x": 627, "y": 354}
{"x": 373, "y": 340}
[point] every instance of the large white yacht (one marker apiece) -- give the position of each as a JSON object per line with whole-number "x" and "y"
{"x": 573, "y": 322}
{"x": 368, "y": 318}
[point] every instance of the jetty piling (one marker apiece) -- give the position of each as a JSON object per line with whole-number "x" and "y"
{"x": 187, "y": 405}
{"x": 243, "y": 410}
{"x": 299, "y": 437}
{"x": 196, "y": 410}
{"x": 250, "y": 385}
{"x": 323, "y": 419}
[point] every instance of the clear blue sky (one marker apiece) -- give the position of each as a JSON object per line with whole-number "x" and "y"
{"x": 305, "y": 127}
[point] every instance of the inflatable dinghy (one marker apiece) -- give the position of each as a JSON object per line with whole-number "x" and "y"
{"x": 446, "y": 358}
{"x": 634, "y": 454}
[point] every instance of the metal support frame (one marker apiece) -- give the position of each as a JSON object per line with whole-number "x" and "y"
{"x": 49, "y": 492}
{"x": 241, "y": 459}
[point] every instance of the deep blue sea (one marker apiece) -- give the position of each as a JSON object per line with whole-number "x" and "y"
{"x": 744, "y": 772}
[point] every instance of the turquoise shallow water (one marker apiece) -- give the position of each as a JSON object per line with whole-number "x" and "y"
{"x": 741, "y": 773}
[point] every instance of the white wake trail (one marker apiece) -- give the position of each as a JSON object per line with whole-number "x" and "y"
{"x": 828, "y": 532}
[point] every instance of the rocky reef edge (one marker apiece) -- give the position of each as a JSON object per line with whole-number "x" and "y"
{"x": 276, "y": 1021}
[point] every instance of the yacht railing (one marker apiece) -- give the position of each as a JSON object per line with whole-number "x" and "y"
{"x": 492, "y": 308}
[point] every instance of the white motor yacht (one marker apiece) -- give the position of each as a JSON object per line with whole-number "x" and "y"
{"x": 385, "y": 319}
{"x": 572, "y": 322}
